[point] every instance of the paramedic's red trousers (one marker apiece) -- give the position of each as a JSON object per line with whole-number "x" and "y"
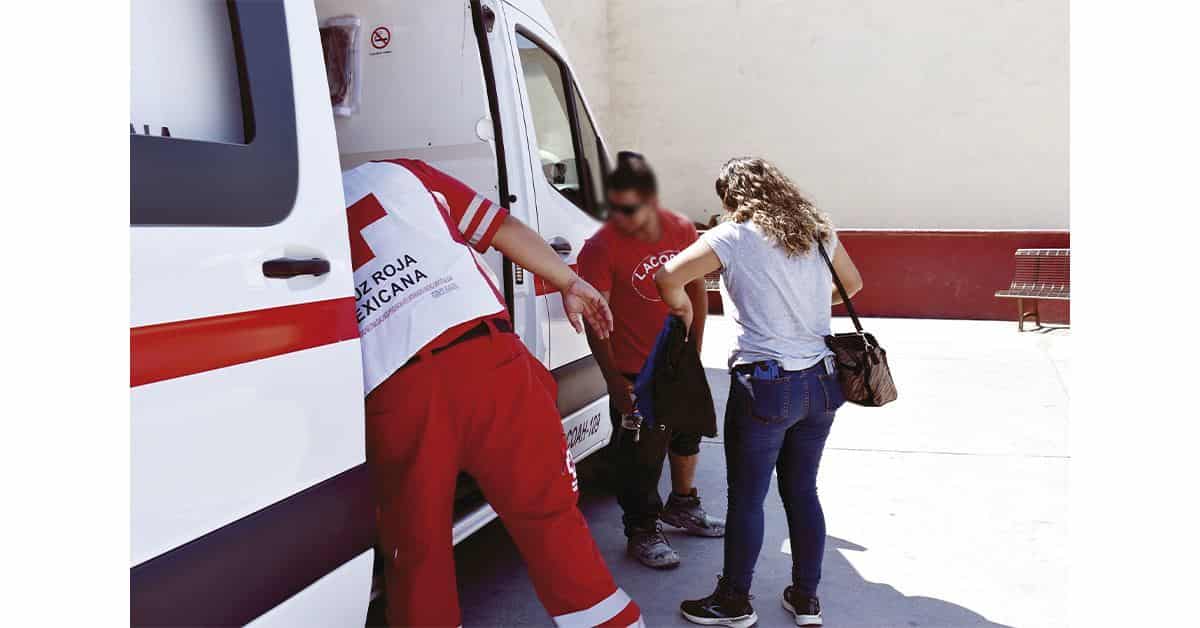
{"x": 488, "y": 407}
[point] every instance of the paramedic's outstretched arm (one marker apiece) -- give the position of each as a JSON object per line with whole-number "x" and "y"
{"x": 525, "y": 247}
{"x": 692, "y": 264}
{"x": 847, "y": 272}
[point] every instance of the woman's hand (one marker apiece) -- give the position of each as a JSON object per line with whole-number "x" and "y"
{"x": 684, "y": 311}
{"x": 581, "y": 301}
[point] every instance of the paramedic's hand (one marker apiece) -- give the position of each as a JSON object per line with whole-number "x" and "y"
{"x": 620, "y": 390}
{"x": 582, "y": 301}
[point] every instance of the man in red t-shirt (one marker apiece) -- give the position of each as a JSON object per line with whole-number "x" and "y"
{"x": 620, "y": 261}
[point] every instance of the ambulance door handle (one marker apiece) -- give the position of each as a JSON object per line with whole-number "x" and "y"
{"x": 285, "y": 267}
{"x": 560, "y": 245}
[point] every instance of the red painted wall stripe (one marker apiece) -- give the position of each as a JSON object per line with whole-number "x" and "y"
{"x": 169, "y": 350}
{"x": 941, "y": 274}
{"x": 944, "y": 274}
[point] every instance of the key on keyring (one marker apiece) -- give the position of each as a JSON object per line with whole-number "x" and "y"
{"x": 633, "y": 422}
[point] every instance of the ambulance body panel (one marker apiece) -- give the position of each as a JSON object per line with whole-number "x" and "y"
{"x": 250, "y": 501}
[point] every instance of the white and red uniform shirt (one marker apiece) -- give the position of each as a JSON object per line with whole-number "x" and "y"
{"x": 414, "y": 237}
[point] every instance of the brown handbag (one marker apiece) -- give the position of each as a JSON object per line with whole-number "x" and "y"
{"x": 861, "y": 363}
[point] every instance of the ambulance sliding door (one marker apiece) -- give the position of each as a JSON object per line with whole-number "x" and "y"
{"x": 423, "y": 96}
{"x": 246, "y": 427}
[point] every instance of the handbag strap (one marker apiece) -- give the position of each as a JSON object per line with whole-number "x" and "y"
{"x": 841, "y": 288}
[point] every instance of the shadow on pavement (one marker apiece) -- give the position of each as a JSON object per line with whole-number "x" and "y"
{"x": 495, "y": 589}
{"x": 848, "y": 599}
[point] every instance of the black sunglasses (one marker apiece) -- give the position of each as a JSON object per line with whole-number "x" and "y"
{"x": 628, "y": 210}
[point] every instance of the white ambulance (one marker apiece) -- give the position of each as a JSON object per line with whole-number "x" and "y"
{"x": 250, "y": 501}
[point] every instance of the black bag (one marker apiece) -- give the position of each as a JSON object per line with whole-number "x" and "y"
{"x": 682, "y": 399}
{"x": 861, "y": 363}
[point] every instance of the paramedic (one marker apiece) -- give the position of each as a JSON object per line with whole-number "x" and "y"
{"x": 450, "y": 388}
{"x": 620, "y": 260}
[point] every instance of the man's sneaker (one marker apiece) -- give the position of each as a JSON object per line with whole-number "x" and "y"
{"x": 651, "y": 548}
{"x": 725, "y": 607}
{"x": 806, "y": 609}
{"x": 685, "y": 511}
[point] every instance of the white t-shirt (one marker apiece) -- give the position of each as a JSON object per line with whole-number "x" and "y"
{"x": 414, "y": 237}
{"x": 779, "y": 304}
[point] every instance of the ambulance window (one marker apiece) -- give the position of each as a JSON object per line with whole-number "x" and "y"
{"x": 184, "y": 71}
{"x": 208, "y": 145}
{"x": 546, "y": 88}
{"x": 596, "y": 162}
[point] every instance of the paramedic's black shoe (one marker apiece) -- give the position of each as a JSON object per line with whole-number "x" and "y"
{"x": 650, "y": 547}
{"x": 805, "y": 608}
{"x": 685, "y": 511}
{"x": 725, "y": 607}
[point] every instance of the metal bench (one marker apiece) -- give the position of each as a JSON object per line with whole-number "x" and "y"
{"x": 712, "y": 281}
{"x": 1041, "y": 274}
{"x": 712, "y": 284}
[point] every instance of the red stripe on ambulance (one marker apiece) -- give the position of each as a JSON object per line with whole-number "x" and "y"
{"x": 176, "y": 349}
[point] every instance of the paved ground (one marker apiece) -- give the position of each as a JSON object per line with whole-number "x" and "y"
{"x": 944, "y": 509}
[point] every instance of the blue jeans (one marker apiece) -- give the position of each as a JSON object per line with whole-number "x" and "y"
{"x": 787, "y": 433}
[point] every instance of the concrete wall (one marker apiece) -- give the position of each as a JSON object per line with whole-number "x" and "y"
{"x": 921, "y": 114}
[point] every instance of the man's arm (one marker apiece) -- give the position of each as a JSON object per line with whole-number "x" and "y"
{"x": 595, "y": 267}
{"x": 619, "y": 388}
{"x": 698, "y": 295}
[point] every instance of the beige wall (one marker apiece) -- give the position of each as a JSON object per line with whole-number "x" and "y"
{"x": 583, "y": 27}
{"x": 898, "y": 114}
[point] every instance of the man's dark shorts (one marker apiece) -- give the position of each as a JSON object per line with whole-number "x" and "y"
{"x": 639, "y": 467}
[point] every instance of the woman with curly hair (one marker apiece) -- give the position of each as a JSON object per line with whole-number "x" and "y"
{"x": 783, "y": 389}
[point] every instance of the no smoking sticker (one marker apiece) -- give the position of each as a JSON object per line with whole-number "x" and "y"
{"x": 381, "y": 38}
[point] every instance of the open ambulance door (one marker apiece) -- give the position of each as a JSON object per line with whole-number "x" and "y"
{"x": 556, "y": 168}
{"x": 424, "y": 92}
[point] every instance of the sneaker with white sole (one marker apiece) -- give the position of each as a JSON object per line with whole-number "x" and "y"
{"x": 725, "y": 607}
{"x": 650, "y": 547}
{"x": 686, "y": 513}
{"x": 806, "y": 609}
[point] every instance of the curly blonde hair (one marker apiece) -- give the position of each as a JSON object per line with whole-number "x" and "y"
{"x": 754, "y": 189}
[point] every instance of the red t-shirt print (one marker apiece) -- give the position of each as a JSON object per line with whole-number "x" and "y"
{"x": 624, "y": 267}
